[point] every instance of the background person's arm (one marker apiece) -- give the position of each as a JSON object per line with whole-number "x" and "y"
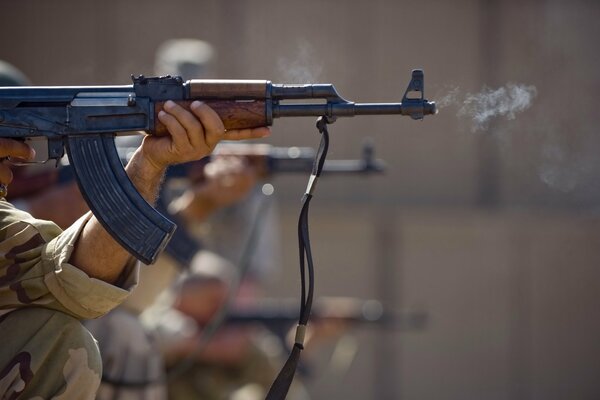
{"x": 192, "y": 136}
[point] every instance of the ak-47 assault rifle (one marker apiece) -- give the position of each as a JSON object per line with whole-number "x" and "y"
{"x": 85, "y": 119}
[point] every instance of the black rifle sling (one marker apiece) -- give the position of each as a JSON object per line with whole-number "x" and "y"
{"x": 113, "y": 199}
{"x": 281, "y": 385}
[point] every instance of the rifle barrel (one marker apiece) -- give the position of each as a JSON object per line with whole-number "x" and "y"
{"x": 349, "y": 109}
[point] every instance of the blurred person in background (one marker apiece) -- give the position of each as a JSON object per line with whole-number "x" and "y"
{"x": 210, "y": 356}
{"x": 226, "y": 362}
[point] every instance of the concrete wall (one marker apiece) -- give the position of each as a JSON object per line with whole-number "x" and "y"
{"x": 493, "y": 233}
{"x": 509, "y": 299}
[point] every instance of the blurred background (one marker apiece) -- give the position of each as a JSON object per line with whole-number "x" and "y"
{"x": 491, "y": 230}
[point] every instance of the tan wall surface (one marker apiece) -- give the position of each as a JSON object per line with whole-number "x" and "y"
{"x": 509, "y": 298}
{"x": 494, "y": 233}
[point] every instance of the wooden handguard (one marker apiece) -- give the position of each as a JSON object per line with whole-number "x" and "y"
{"x": 240, "y": 103}
{"x": 235, "y": 114}
{"x": 228, "y": 89}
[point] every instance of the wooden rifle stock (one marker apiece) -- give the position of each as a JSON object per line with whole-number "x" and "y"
{"x": 241, "y": 104}
{"x": 240, "y": 114}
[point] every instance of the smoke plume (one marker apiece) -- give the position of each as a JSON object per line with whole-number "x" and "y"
{"x": 505, "y": 101}
{"x": 303, "y": 67}
{"x": 449, "y": 98}
{"x": 481, "y": 108}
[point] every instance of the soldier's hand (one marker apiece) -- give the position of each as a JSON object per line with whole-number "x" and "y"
{"x": 193, "y": 135}
{"x": 13, "y": 149}
{"x": 227, "y": 180}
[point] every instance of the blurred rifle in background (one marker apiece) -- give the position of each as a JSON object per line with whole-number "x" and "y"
{"x": 281, "y": 314}
{"x": 269, "y": 160}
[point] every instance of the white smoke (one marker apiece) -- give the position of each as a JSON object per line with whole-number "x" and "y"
{"x": 480, "y": 108}
{"x": 450, "y": 97}
{"x": 303, "y": 67}
{"x": 505, "y": 101}
{"x": 561, "y": 164}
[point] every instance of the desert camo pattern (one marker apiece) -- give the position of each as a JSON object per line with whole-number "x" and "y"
{"x": 45, "y": 351}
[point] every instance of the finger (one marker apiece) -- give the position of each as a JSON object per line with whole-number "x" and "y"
{"x": 213, "y": 125}
{"x": 15, "y": 148}
{"x": 244, "y": 134}
{"x": 178, "y": 133}
{"x": 6, "y": 175}
{"x": 193, "y": 127}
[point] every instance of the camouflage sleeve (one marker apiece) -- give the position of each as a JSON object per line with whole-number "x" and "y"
{"x": 34, "y": 268}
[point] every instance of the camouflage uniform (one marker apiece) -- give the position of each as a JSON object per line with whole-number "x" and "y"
{"x": 46, "y": 353}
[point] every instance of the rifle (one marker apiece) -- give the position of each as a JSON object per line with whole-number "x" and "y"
{"x": 279, "y": 315}
{"x": 84, "y": 120}
{"x": 268, "y": 159}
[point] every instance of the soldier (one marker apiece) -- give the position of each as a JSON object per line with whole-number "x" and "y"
{"x": 234, "y": 362}
{"x": 50, "y": 279}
